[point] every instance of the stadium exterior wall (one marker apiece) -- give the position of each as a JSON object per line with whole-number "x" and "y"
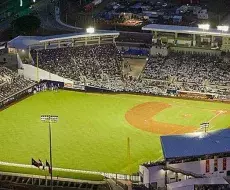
{"x": 157, "y": 173}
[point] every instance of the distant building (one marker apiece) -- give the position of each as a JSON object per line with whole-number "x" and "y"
{"x": 177, "y": 19}
{"x": 181, "y": 10}
{"x": 203, "y": 14}
{"x": 195, "y": 9}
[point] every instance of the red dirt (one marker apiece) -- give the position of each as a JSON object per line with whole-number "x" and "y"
{"x": 141, "y": 117}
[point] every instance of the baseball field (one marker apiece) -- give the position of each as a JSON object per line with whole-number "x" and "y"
{"x": 92, "y": 130}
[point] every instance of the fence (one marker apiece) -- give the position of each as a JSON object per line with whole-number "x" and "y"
{"x": 17, "y": 96}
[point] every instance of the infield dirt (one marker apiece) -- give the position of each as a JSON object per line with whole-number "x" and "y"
{"x": 141, "y": 117}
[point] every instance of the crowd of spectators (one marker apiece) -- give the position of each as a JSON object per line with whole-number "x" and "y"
{"x": 191, "y": 72}
{"x": 101, "y": 66}
{"x": 188, "y": 68}
{"x": 11, "y": 83}
{"x": 92, "y": 62}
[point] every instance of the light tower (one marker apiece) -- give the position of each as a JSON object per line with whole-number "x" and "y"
{"x": 50, "y": 119}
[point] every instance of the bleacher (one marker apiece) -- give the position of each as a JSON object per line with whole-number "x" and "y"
{"x": 27, "y": 182}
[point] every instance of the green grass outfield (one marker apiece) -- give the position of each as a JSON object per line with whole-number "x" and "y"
{"x": 92, "y": 131}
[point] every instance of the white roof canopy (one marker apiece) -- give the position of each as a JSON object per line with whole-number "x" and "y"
{"x": 184, "y": 30}
{"x": 22, "y": 42}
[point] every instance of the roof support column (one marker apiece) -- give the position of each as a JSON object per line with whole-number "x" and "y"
{"x": 114, "y": 40}
{"x": 212, "y": 41}
{"x": 45, "y": 44}
{"x": 99, "y": 40}
{"x": 176, "y": 35}
{"x": 29, "y": 52}
{"x": 72, "y": 44}
{"x": 85, "y": 41}
{"x": 155, "y": 34}
{"x": 59, "y": 44}
{"x": 166, "y": 177}
{"x": 194, "y": 40}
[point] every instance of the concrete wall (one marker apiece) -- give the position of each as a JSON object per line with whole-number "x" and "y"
{"x": 30, "y": 72}
{"x": 157, "y": 50}
{"x": 9, "y": 60}
{"x": 199, "y": 167}
{"x": 157, "y": 174}
{"x": 196, "y": 50}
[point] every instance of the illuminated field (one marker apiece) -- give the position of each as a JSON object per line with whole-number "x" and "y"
{"x": 93, "y": 129}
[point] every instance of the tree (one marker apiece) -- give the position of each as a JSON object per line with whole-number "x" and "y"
{"x": 25, "y": 25}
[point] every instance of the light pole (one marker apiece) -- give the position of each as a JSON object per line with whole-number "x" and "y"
{"x": 50, "y": 119}
{"x": 223, "y": 28}
{"x": 204, "y": 126}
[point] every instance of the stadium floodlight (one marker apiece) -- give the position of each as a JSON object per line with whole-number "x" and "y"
{"x": 204, "y": 26}
{"x": 50, "y": 119}
{"x": 223, "y": 28}
{"x": 204, "y": 126}
{"x": 90, "y": 30}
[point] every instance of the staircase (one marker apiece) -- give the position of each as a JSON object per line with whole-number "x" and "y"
{"x": 187, "y": 173}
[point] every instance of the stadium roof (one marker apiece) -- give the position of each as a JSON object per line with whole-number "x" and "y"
{"x": 197, "y": 181}
{"x": 196, "y": 144}
{"x": 22, "y": 42}
{"x": 184, "y": 30}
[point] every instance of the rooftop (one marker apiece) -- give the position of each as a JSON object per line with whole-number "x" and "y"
{"x": 196, "y": 144}
{"x": 184, "y": 30}
{"x": 22, "y": 42}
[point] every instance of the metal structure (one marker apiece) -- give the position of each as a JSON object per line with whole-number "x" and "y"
{"x": 204, "y": 126}
{"x": 50, "y": 119}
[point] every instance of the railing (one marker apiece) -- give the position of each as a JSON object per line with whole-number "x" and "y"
{"x": 34, "y": 181}
{"x": 188, "y": 173}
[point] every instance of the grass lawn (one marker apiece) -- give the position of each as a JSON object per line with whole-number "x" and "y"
{"x": 92, "y": 131}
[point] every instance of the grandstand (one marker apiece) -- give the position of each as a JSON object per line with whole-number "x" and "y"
{"x": 63, "y": 40}
{"x": 190, "y": 37}
{"x": 24, "y": 182}
{"x": 95, "y": 60}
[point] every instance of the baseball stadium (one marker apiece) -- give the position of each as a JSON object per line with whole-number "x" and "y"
{"x": 112, "y": 109}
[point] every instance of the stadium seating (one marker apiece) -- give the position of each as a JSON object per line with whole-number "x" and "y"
{"x": 11, "y": 83}
{"x": 193, "y": 71}
{"x": 92, "y": 62}
{"x": 101, "y": 66}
